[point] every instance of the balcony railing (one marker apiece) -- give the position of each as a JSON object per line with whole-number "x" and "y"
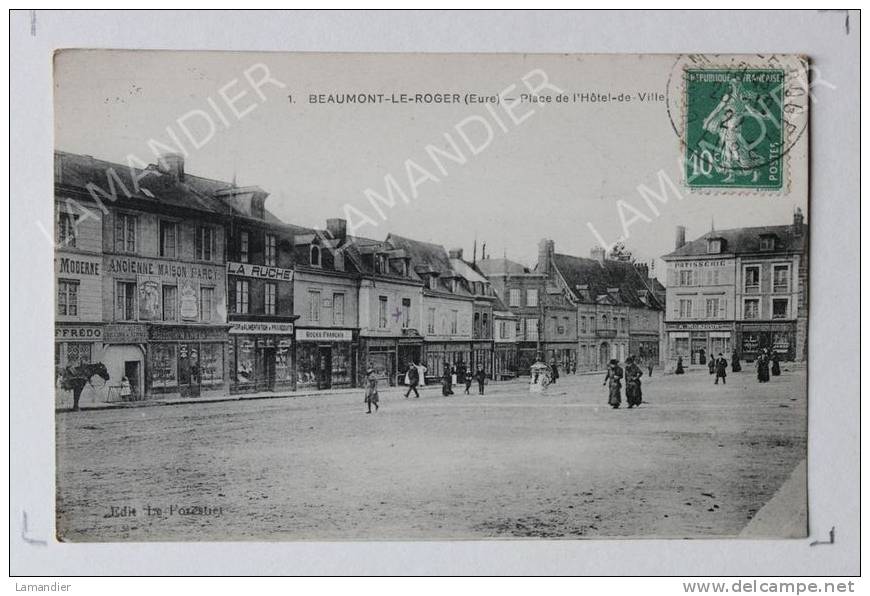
{"x": 605, "y": 332}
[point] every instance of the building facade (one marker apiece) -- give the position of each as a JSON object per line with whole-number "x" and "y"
{"x": 504, "y": 360}
{"x": 737, "y": 292}
{"x": 482, "y": 323}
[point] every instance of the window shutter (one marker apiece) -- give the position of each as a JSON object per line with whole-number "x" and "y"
{"x": 722, "y": 311}
{"x": 198, "y": 243}
{"x": 119, "y": 233}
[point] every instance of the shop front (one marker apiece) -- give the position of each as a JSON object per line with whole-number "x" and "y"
{"x": 381, "y": 354}
{"x": 441, "y": 354}
{"x": 777, "y": 337}
{"x": 124, "y": 356}
{"x": 481, "y": 354}
{"x": 410, "y": 351}
{"x": 696, "y": 343}
{"x": 74, "y": 344}
{"x": 187, "y": 360}
{"x": 504, "y": 362}
{"x": 564, "y": 354}
{"x": 325, "y": 358}
{"x": 645, "y": 347}
{"x": 261, "y": 356}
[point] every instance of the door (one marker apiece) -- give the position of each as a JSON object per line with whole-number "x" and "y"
{"x": 131, "y": 371}
{"x": 604, "y": 355}
{"x": 269, "y": 368}
{"x": 324, "y": 380}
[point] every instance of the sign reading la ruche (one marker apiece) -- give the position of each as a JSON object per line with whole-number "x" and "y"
{"x": 263, "y": 327}
{"x": 260, "y": 271}
{"x": 324, "y": 335}
{"x": 163, "y": 269}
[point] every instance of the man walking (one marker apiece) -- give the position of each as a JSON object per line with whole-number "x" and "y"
{"x": 480, "y": 375}
{"x": 721, "y": 368}
{"x": 413, "y": 380}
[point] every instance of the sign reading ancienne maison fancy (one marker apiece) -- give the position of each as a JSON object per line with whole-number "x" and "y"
{"x": 259, "y": 271}
{"x": 163, "y": 269}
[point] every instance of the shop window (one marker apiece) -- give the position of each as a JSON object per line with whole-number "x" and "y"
{"x": 271, "y": 250}
{"x": 307, "y": 356}
{"x": 170, "y": 303}
{"x": 406, "y": 313}
{"x": 271, "y": 298}
{"x": 751, "y": 280}
{"x": 382, "y": 312}
{"x": 245, "y": 361}
{"x": 244, "y": 247}
{"x": 125, "y": 232}
{"x": 681, "y": 347}
{"x": 206, "y": 303}
{"x": 781, "y": 279}
{"x": 67, "y": 297}
{"x": 313, "y": 305}
{"x": 78, "y": 353}
{"x": 211, "y": 363}
{"x": 242, "y": 296}
{"x": 164, "y": 365}
{"x": 532, "y": 297}
{"x": 205, "y": 243}
{"x": 780, "y": 308}
{"x": 750, "y": 309}
{"x": 338, "y": 309}
{"x": 125, "y": 301}
{"x": 66, "y": 229}
{"x": 168, "y": 239}
{"x": 514, "y": 297}
{"x": 283, "y": 361}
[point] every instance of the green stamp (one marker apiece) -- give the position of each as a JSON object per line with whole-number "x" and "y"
{"x": 734, "y": 128}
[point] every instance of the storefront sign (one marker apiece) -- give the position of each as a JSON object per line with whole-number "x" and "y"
{"x": 324, "y": 335}
{"x": 125, "y": 334}
{"x": 163, "y": 269}
{"x": 696, "y": 264}
{"x": 184, "y": 333}
{"x": 78, "y": 333}
{"x": 262, "y": 327}
{"x": 259, "y": 271}
{"x": 78, "y": 265}
{"x": 699, "y": 327}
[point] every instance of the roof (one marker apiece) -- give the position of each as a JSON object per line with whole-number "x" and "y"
{"x": 467, "y": 271}
{"x": 491, "y": 267}
{"x": 359, "y": 249}
{"x": 747, "y": 240}
{"x": 426, "y": 258}
{"x": 607, "y": 282}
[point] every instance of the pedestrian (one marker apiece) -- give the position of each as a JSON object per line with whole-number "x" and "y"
{"x": 469, "y": 379}
{"x": 126, "y": 389}
{"x": 422, "y": 370}
{"x": 761, "y": 365}
{"x": 721, "y": 368}
{"x": 413, "y": 378}
{"x": 735, "y": 362}
{"x": 554, "y": 374}
{"x": 614, "y": 377}
{"x": 371, "y": 389}
{"x": 649, "y": 367}
{"x": 633, "y": 373}
{"x": 702, "y": 356}
{"x": 774, "y": 368}
{"x": 712, "y": 365}
{"x": 679, "y": 369}
{"x": 574, "y": 367}
{"x": 447, "y": 381}
{"x": 460, "y": 372}
{"x": 480, "y": 375}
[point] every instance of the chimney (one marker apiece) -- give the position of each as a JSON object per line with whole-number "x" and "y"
{"x": 798, "y": 222}
{"x": 598, "y": 254}
{"x": 681, "y": 237}
{"x": 455, "y": 253}
{"x": 173, "y": 164}
{"x": 337, "y": 228}
{"x": 546, "y": 248}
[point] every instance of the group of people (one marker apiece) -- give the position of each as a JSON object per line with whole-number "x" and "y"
{"x": 460, "y": 375}
{"x": 415, "y": 376}
{"x": 632, "y": 374}
{"x": 766, "y": 365}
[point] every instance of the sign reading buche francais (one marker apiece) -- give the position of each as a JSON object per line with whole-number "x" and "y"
{"x": 259, "y": 271}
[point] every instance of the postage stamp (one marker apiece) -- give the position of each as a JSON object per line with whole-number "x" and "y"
{"x": 734, "y": 130}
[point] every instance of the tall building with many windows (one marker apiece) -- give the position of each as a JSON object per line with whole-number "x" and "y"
{"x": 738, "y": 291}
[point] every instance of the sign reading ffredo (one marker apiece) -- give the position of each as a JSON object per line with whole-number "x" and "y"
{"x": 368, "y": 174}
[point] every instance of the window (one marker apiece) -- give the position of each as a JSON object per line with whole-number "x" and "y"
{"x": 780, "y": 308}
{"x": 751, "y": 279}
{"x": 768, "y": 242}
{"x": 125, "y": 301}
{"x": 66, "y": 229}
{"x": 519, "y": 328}
{"x": 271, "y": 298}
{"x": 685, "y": 309}
{"x": 433, "y": 282}
{"x": 271, "y": 250}
{"x": 430, "y": 321}
{"x": 532, "y": 297}
{"x": 168, "y": 239}
{"x": 686, "y": 278}
{"x": 781, "y": 279}
{"x": 476, "y": 328}
{"x": 406, "y": 313}
{"x": 206, "y": 303}
{"x": 454, "y": 319}
{"x": 750, "y": 309}
{"x": 502, "y": 330}
{"x": 514, "y": 297}
{"x": 583, "y": 323}
{"x": 313, "y": 305}
{"x": 205, "y": 243}
{"x": 244, "y": 247}
{"x": 338, "y": 260}
{"x": 712, "y": 277}
{"x": 338, "y": 309}
{"x": 712, "y": 308}
{"x": 125, "y": 232}
{"x": 242, "y": 296}
{"x": 314, "y": 256}
{"x": 532, "y": 329}
{"x": 382, "y": 312}
{"x": 714, "y": 245}
{"x": 170, "y": 303}
{"x": 485, "y": 330}
{"x": 67, "y": 298}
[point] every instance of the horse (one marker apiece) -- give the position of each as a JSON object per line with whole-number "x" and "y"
{"x": 74, "y": 378}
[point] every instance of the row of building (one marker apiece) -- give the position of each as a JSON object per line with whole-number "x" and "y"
{"x": 189, "y": 286}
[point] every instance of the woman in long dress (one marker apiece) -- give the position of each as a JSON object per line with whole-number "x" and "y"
{"x": 371, "y": 389}
{"x": 774, "y": 367}
{"x": 679, "y": 369}
{"x": 614, "y": 378}
{"x": 633, "y": 373}
{"x": 761, "y": 363}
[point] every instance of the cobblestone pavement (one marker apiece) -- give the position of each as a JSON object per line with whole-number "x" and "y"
{"x": 694, "y": 460}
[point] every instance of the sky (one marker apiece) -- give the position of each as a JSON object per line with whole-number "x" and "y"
{"x": 556, "y": 170}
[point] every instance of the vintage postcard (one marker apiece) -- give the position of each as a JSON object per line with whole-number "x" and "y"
{"x": 429, "y": 297}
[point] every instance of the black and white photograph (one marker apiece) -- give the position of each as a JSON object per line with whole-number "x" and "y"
{"x": 503, "y": 297}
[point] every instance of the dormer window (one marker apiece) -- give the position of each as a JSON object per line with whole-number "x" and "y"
{"x": 768, "y": 242}
{"x": 404, "y": 267}
{"x": 338, "y": 260}
{"x": 714, "y": 245}
{"x": 453, "y": 285}
{"x": 315, "y": 256}
{"x": 433, "y": 282}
